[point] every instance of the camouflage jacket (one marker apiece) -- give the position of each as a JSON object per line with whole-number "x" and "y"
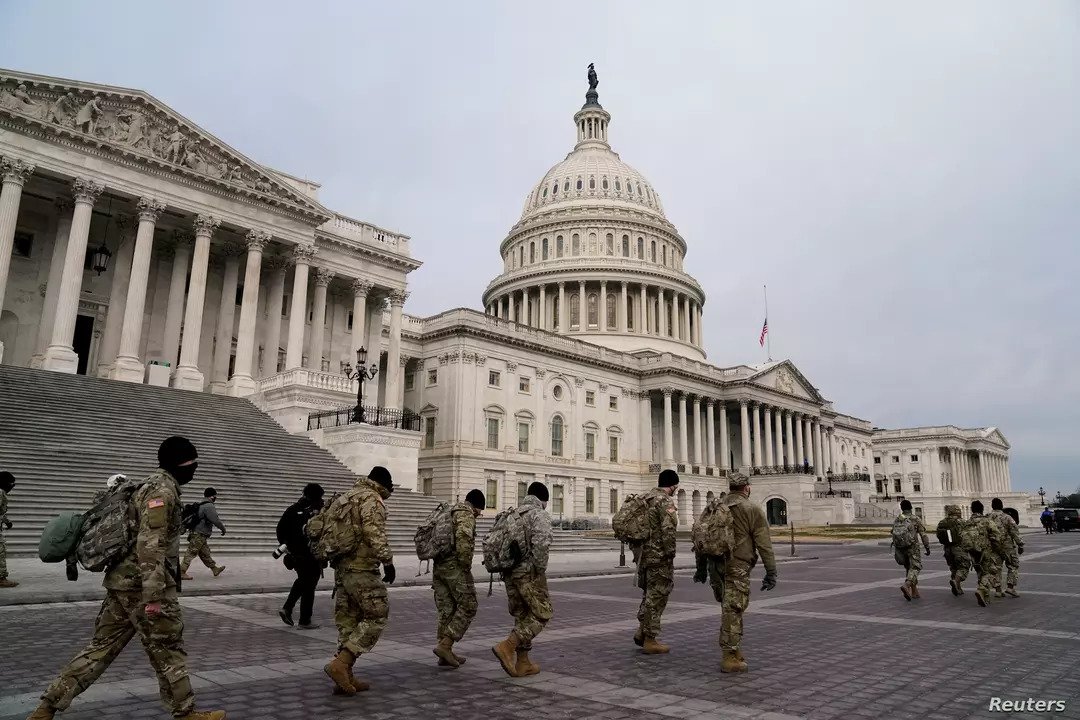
{"x": 1009, "y": 529}
{"x": 367, "y": 511}
{"x": 464, "y": 520}
{"x": 659, "y": 549}
{"x": 920, "y": 528}
{"x": 751, "y": 532}
{"x": 538, "y": 533}
{"x": 991, "y": 537}
{"x": 153, "y": 564}
{"x": 3, "y": 508}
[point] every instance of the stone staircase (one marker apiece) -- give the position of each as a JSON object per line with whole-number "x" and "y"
{"x": 870, "y": 513}
{"x": 63, "y": 435}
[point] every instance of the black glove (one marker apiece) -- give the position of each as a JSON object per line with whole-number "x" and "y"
{"x": 1019, "y": 549}
{"x": 7, "y": 524}
{"x": 927, "y": 549}
{"x": 702, "y": 573}
{"x": 389, "y": 574}
{"x": 222, "y": 532}
{"x": 769, "y": 582}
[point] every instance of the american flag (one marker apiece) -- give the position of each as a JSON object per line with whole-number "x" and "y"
{"x": 764, "y": 332}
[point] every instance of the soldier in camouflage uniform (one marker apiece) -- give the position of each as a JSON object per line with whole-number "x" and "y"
{"x": 362, "y": 603}
{"x": 527, "y": 589}
{"x": 199, "y": 537}
{"x": 656, "y": 562}
{"x": 751, "y": 540}
{"x": 987, "y": 540}
{"x": 956, "y": 553}
{"x": 909, "y": 557}
{"x": 452, "y": 580}
{"x": 141, "y": 597}
{"x": 1011, "y": 549}
{"x": 7, "y": 483}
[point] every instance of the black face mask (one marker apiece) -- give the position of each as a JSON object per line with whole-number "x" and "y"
{"x": 184, "y": 473}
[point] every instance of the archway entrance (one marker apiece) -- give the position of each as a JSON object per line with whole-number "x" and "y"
{"x": 776, "y": 511}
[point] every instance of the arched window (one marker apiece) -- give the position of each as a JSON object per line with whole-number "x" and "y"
{"x": 556, "y": 436}
{"x": 575, "y": 245}
{"x": 545, "y": 192}
{"x": 610, "y": 244}
{"x": 663, "y": 255}
{"x": 594, "y": 317}
{"x": 626, "y": 246}
{"x": 555, "y": 313}
{"x": 532, "y": 253}
{"x": 558, "y": 246}
{"x": 566, "y": 186}
{"x": 544, "y": 249}
{"x": 612, "y": 321}
{"x": 654, "y": 251}
{"x": 555, "y": 189}
{"x": 592, "y": 182}
{"x": 630, "y": 312}
{"x": 575, "y": 311}
{"x": 618, "y": 188}
{"x": 629, "y": 187}
{"x": 641, "y": 248}
{"x": 521, "y": 256}
{"x": 603, "y": 183}
{"x": 579, "y": 183}
{"x": 592, "y": 243}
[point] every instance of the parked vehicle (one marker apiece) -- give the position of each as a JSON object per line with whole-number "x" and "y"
{"x": 1066, "y": 519}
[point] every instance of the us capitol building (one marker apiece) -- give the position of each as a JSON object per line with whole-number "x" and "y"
{"x": 134, "y": 245}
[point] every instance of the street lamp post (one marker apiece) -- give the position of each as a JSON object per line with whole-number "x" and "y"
{"x": 828, "y": 474}
{"x": 1042, "y": 496}
{"x": 361, "y": 373}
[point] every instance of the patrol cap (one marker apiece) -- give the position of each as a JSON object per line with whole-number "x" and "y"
{"x": 738, "y": 481}
{"x": 952, "y": 510}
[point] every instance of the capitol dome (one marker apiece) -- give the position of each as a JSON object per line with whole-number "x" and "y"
{"x": 595, "y": 257}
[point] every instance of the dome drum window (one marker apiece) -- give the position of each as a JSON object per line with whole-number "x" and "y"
{"x": 592, "y": 183}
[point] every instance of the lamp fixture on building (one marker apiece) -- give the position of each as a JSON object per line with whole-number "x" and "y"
{"x": 99, "y": 261}
{"x": 361, "y": 373}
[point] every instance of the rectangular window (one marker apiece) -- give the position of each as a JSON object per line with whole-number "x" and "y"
{"x": 896, "y": 458}
{"x": 877, "y": 460}
{"x": 492, "y": 495}
{"x": 613, "y": 449}
{"x": 590, "y": 446}
{"x": 410, "y": 381}
{"x": 556, "y": 437}
{"x": 590, "y": 398}
{"x": 918, "y": 512}
{"x": 523, "y": 385}
{"x": 557, "y": 500}
{"x": 429, "y": 432}
{"x": 432, "y": 376}
{"x": 896, "y": 485}
{"x": 285, "y": 305}
{"x": 523, "y": 437}
{"x": 349, "y": 322}
{"x": 493, "y": 378}
{"x": 523, "y": 488}
{"x": 916, "y": 485}
{"x": 613, "y": 501}
{"x": 590, "y": 500}
{"x": 914, "y": 458}
{"x": 613, "y": 402}
{"x": 428, "y": 484}
{"x": 24, "y": 244}
{"x": 493, "y": 433}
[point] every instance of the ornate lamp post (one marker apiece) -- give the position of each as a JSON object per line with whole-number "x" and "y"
{"x": 361, "y": 373}
{"x": 828, "y": 474}
{"x": 1042, "y": 496}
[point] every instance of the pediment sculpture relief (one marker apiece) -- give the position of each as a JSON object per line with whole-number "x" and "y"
{"x": 784, "y": 381}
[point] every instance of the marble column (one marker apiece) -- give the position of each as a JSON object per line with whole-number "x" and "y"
{"x": 187, "y": 375}
{"x": 294, "y": 350}
{"x": 770, "y": 458}
{"x": 243, "y": 382}
{"x": 223, "y": 332}
{"x": 642, "y": 327}
{"x": 109, "y": 346}
{"x": 602, "y": 306}
{"x": 832, "y": 449}
{"x": 697, "y": 431}
{"x": 710, "y": 430}
{"x": 60, "y": 355}
{"x": 700, "y": 333}
{"x": 624, "y": 308}
{"x": 725, "y": 438}
{"x": 360, "y": 289}
{"x": 393, "y": 355}
{"x": 174, "y": 313}
{"x": 543, "y": 324}
{"x": 15, "y": 173}
{"x": 526, "y": 315}
{"x": 129, "y": 366}
{"x": 800, "y": 450}
{"x": 662, "y": 325}
{"x": 275, "y": 298}
{"x": 669, "y": 457}
{"x": 757, "y": 435}
{"x": 376, "y": 308}
{"x": 684, "y": 453}
{"x": 779, "y": 428}
{"x": 645, "y": 429}
{"x": 819, "y": 463}
{"x": 323, "y": 277}
{"x": 789, "y": 437}
{"x": 686, "y": 336}
{"x": 744, "y": 428}
{"x": 563, "y": 314}
{"x": 808, "y": 440}
{"x": 52, "y": 289}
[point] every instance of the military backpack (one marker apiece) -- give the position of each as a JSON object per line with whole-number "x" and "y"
{"x": 973, "y": 536}
{"x": 434, "y": 538}
{"x": 949, "y": 531}
{"x": 631, "y": 522}
{"x": 189, "y": 515}
{"x": 331, "y": 533}
{"x": 109, "y": 528}
{"x": 60, "y": 537}
{"x": 714, "y": 531}
{"x": 904, "y": 533}
{"x": 507, "y": 543}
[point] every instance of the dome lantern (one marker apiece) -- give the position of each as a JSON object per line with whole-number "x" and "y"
{"x": 592, "y": 119}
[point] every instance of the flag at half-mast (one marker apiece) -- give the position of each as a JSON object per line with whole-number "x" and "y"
{"x": 764, "y": 332}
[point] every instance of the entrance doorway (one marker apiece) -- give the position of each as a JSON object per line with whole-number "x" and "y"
{"x": 84, "y": 335}
{"x": 776, "y": 511}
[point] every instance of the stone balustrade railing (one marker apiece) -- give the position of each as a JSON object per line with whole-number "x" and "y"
{"x": 308, "y": 378}
{"x": 364, "y": 232}
{"x": 594, "y": 262}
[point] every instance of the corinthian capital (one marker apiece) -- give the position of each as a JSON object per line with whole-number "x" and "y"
{"x": 304, "y": 254}
{"x": 205, "y": 225}
{"x": 149, "y": 209}
{"x": 398, "y": 298}
{"x": 257, "y": 239}
{"x": 323, "y": 277}
{"x": 85, "y": 190}
{"x": 15, "y": 170}
{"x": 361, "y": 288}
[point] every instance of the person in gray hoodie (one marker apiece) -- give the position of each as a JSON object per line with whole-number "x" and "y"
{"x": 199, "y": 539}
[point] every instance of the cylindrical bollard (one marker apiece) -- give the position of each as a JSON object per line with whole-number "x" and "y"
{"x": 622, "y": 554}
{"x": 792, "y": 539}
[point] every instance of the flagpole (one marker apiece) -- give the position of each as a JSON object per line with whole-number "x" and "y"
{"x": 768, "y": 335}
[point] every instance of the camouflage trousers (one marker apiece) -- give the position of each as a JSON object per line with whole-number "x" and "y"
{"x": 361, "y": 608}
{"x": 198, "y": 546}
{"x": 122, "y": 617}
{"x": 988, "y": 566}
{"x": 1012, "y": 565}
{"x": 736, "y": 600}
{"x": 959, "y": 562}
{"x": 530, "y": 603}
{"x": 455, "y": 598}
{"x": 3, "y": 557}
{"x": 656, "y": 582}
{"x": 911, "y": 560}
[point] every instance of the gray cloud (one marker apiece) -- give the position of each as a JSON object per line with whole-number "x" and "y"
{"x": 904, "y": 178}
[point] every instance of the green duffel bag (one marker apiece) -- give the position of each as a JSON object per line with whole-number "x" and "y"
{"x": 60, "y": 537}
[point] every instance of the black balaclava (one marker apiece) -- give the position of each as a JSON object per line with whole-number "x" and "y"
{"x": 381, "y": 475}
{"x": 7, "y": 481}
{"x": 175, "y": 451}
{"x": 313, "y": 493}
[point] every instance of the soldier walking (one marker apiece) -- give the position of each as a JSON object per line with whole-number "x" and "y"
{"x": 985, "y": 540}
{"x": 141, "y": 597}
{"x": 1011, "y": 549}
{"x": 656, "y": 562}
{"x": 907, "y": 530}
{"x": 356, "y": 527}
{"x": 956, "y": 553}
{"x": 7, "y": 484}
{"x": 199, "y": 539}
{"x": 752, "y": 539}
{"x": 526, "y": 587}
{"x": 452, "y": 580}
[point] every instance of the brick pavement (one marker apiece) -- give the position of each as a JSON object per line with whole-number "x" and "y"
{"x": 834, "y": 640}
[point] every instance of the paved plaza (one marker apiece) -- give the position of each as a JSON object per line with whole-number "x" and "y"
{"x": 834, "y": 640}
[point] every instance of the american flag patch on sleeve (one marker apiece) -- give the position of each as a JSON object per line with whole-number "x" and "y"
{"x": 155, "y": 503}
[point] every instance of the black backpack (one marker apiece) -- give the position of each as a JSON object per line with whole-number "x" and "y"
{"x": 189, "y": 516}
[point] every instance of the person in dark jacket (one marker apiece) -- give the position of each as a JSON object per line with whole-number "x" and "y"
{"x": 290, "y": 533}
{"x": 199, "y": 538}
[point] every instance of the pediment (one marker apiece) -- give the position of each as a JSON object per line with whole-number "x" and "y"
{"x": 135, "y": 125}
{"x": 995, "y": 436}
{"x": 785, "y": 377}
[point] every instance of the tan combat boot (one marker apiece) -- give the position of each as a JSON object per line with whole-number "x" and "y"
{"x": 525, "y": 666}
{"x": 980, "y": 596}
{"x": 459, "y": 658}
{"x": 954, "y": 586}
{"x": 1011, "y": 591}
{"x": 5, "y": 583}
{"x": 44, "y": 711}
{"x": 445, "y": 654}
{"x": 653, "y": 647}
{"x": 740, "y": 658}
{"x": 209, "y": 715}
{"x": 340, "y": 671}
{"x": 639, "y": 637}
{"x": 731, "y": 662}
{"x": 505, "y": 652}
{"x": 358, "y": 685}
{"x": 906, "y": 590}
{"x": 915, "y": 592}
{"x": 218, "y": 570}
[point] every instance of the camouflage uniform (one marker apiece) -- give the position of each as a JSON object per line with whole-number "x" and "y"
{"x": 452, "y": 579}
{"x": 199, "y": 538}
{"x": 656, "y": 561}
{"x": 956, "y": 555}
{"x": 985, "y": 552}
{"x": 362, "y": 604}
{"x": 751, "y": 540}
{"x": 526, "y": 585}
{"x": 910, "y": 557}
{"x": 3, "y": 543}
{"x": 147, "y": 575}
{"x": 1010, "y": 553}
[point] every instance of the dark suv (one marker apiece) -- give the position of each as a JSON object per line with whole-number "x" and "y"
{"x": 1066, "y": 519}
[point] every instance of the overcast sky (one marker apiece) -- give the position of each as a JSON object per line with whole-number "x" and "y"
{"x": 904, "y": 176}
